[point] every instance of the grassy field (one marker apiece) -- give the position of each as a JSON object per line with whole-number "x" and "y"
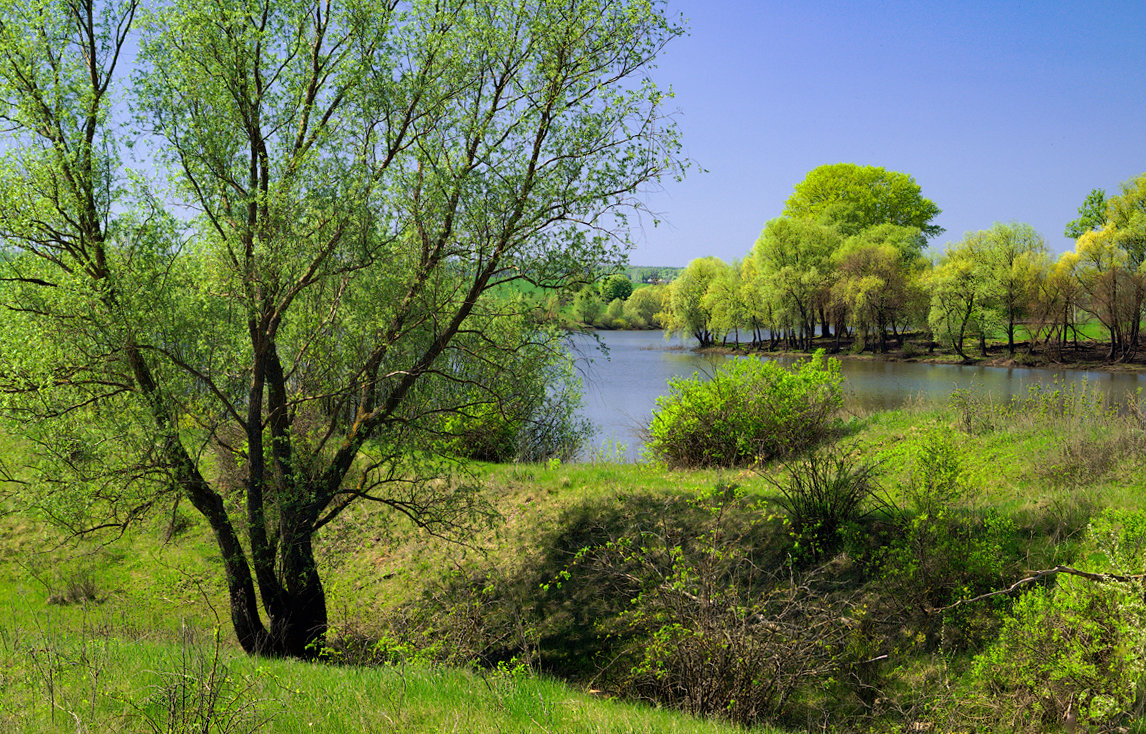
{"x": 132, "y": 634}
{"x": 136, "y": 658}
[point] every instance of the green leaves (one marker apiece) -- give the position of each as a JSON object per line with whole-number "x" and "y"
{"x": 749, "y": 411}
{"x": 349, "y": 184}
{"x": 853, "y": 198}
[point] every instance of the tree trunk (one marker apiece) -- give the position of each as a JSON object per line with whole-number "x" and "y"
{"x": 298, "y": 627}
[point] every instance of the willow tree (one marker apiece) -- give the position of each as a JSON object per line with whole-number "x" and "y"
{"x": 793, "y": 259}
{"x": 687, "y": 311}
{"x": 276, "y": 335}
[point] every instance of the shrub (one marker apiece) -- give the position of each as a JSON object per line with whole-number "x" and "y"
{"x": 588, "y": 306}
{"x": 534, "y": 421}
{"x": 940, "y": 550}
{"x": 824, "y": 492}
{"x": 710, "y": 628}
{"x": 642, "y": 307}
{"x": 616, "y": 287}
{"x": 1079, "y": 647}
{"x": 749, "y": 411}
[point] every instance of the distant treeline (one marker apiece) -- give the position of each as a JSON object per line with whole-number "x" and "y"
{"x": 848, "y": 260}
{"x": 628, "y": 299}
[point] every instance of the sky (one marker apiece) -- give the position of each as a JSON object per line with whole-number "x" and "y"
{"x": 1002, "y": 111}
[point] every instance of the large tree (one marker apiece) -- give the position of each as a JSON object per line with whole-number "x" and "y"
{"x": 349, "y": 181}
{"x": 853, "y": 198}
{"x": 1008, "y": 259}
{"x": 687, "y": 311}
{"x": 793, "y": 260}
{"x": 877, "y": 279}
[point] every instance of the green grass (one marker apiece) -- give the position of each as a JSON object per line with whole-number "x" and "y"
{"x": 61, "y": 679}
{"x": 1047, "y": 462}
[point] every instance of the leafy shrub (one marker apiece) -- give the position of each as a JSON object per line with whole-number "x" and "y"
{"x": 614, "y": 314}
{"x": 534, "y": 420}
{"x": 1079, "y": 646}
{"x": 749, "y": 411}
{"x": 934, "y": 478}
{"x": 709, "y": 628}
{"x": 588, "y": 306}
{"x": 616, "y": 287}
{"x": 643, "y": 305}
{"x": 824, "y": 492}
{"x": 940, "y": 551}
{"x": 485, "y": 432}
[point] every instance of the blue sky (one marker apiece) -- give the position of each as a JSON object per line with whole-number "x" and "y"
{"x": 1002, "y": 111}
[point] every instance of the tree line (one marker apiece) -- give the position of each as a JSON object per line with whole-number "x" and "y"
{"x": 848, "y": 259}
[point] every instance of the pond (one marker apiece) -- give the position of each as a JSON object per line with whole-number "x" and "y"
{"x": 621, "y": 387}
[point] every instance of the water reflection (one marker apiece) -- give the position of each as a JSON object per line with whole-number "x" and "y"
{"x": 621, "y": 389}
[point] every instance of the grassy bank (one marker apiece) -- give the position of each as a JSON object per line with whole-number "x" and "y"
{"x": 436, "y": 636}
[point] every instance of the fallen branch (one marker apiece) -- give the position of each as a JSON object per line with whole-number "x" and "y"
{"x": 1036, "y": 575}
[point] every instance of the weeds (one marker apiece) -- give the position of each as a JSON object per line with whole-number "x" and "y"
{"x": 830, "y": 488}
{"x": 201, "y": 696}
{"x": 78, "y": 587}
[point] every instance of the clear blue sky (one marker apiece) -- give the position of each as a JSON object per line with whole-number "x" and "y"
{"x": 1002, "y": 111}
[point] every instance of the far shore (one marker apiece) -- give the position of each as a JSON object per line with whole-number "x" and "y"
{"x": 1087, "y": 356}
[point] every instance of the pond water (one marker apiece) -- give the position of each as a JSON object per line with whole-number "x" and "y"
{"x": 621, "y": 387}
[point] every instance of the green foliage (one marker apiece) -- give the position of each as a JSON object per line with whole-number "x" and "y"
{"x": 940, "y": 551}
{"x": 832, "y": 487}
{"x": 642, "y": 307}
{"x": 686, "y": 309}
{"x": 534, "y": 421}
{"x": 615, "y": 286}
{"x": 749, "y": 411}
{"x": 1091, "y": 215}
{"x": 652, "y": 275}
{"x": 317, "y": 283}
{"x": 934, "y": 472}
{"x": 614, "y": 314}
{"x": 587, "y": 306}
{"x": 793, "y": 269}
{"x": 877, "y": 279}
{"x": 1078, "y": 647}
{"x": 853, "y": 198}
{"x": 1060, "y": 404}
{"x": 712, "y": 628}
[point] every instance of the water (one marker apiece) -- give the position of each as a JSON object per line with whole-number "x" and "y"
{"x": 621, "y": 389}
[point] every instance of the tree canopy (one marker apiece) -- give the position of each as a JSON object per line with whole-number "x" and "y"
{"x": 1091, "y": 215}
{"x": 316, "y": 288}
{"x": 853, "y": 198}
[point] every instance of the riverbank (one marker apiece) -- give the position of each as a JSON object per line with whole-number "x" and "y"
{"x": 582, "y": 561}
{"x": 1090, "y": 356}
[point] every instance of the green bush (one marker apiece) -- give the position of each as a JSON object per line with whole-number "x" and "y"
{"x": 749, "y": 411}
{"x": 531, "y": 415}
{"x": 711, "y": 627}
{"x": 1079, "y": 647}
{"x": 822, "y": 493}
{"x": 940, "y": 549}
{"x": 616, "y": 287}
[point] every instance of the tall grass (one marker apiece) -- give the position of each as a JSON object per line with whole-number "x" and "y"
{"x": 92, "y": 680}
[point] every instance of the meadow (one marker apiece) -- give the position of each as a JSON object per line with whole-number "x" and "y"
{"x": 529, "y": 624}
